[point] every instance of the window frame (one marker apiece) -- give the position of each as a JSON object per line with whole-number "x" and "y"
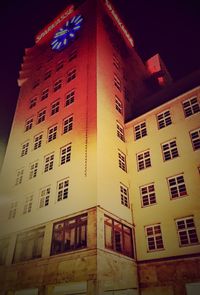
{"x": 154, "y": 236}
{"x": 198, "y": 139}
{"x": 166, "y": 119}
{"x": 144, "y": 161}
{"x": 149, "y": 194}
{"x": 186, "y": 229}
{"x": 171, "y": 152}
{"x": 142, "y": 132}
{"x": 177, "y": 186}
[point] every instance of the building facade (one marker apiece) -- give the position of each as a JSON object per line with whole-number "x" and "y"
{"x": 99, "y": 197}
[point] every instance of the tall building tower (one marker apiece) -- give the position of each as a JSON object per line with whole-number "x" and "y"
{"x": 73, "y": 177}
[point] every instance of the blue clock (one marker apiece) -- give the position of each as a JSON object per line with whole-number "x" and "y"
{"x": 67, "y": 33}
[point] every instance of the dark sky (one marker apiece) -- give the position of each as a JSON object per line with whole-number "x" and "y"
{"x": 171, "y": 28}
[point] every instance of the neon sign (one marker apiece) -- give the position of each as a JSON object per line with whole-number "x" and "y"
{"x": 54, "y": 24}
{"x": 120, "y": 24}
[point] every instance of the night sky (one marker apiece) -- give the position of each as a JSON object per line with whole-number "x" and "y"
{"x": 171, "y": 28}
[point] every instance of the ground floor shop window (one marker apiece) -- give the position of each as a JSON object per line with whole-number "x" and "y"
{"x": 69, "y": 235}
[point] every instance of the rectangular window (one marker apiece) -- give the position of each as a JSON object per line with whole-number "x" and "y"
{"x": 55, "y": 107}
{"x": 70, "y": 97}
{"x": 177, "y": 186}
{"x": 44, "y": 197}
{"x": 69, "y": 235}
{"x": 169, "y": 150}
{"x": 41, "y": 116}
{"x": 116, "y": 62}
{"x": 52, "y": 133}
{"x": 48, "y": 162}
{"x": 36, "y": 83}
{"x": 118, "y": 237}
{"x": 143, "y": 160}
{"x": 28, "y": 204}
{"x": 117, "y": 82}
{"x": 29, "y": 124}
{"x": 24, "y": 150}
{"x": 124, "y": 194}
{"x": 4, "y": 244}
{"x": 140, "y": 130}
{"x": 45, "y": 94}
{"x": 33, "y": 170}
{"x": 164, "y": 119}
{"x": 67, "y": 124}
{"x": 186, "y": 231}
{"x": 120, "y": 131}
{"x": 62, "y": 189}
{"x": 65, "y": 154}
{"x": 71, "y": 75}
{"x": 148, "y": 195}
{"x": 37, "y": 141}
{"x": 118, "y": 105}
{"x": 33, "y": 102}
{"x": 122, "y": 161}
{"x": 72, "y": 55}
{"x": 29, "y": 245}
{"x": 154, "y": 237}
{"x": 13, "y": 210}
{"x": 57, "y": 85}
{"x": 195, "y": 138}
{"x": 47, "y": 75}
{"x": 19, "y": 177}
{"x": 191, "y": 106}
{"x": 60, "y": 65}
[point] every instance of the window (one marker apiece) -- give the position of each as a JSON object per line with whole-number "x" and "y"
{"x": 45, "y": 94}
{"x": 124, "y": 194}
{"x": 4, "y": 243}
{"x": 44, "y": 197}
{"x": 48, "y": 162}
{"x": 69, "y": 235}
{"x": 71, "y": 75}
{"x": 52, "y": 133}
{"x": 117, "y": 82}
{"x": 24, "y": 150}
{"x": 19, "y": 177}
{"x": 195, "y": 138}
{"x": 72, "y": 55}
{"x": 148, "y": 195}
{"x": 29, "y": 245}
{"x": 37, "y": 141}
{"x": 122, "y": 161}
{"x": 13, "y": 210}
{"x": 116, "y": 62}
{"x": 70, "y": 97}
{"x": 118, "y": 105}
{"x": 120, "y": 131}
{"x": 67, "y": 124}
{"x": 118, "y": 237}
{"x": 177, "y": 186}
{"x": 41, "y": 116}
{"x": 140, "y": 130}
{"x": 164, "y": 119}
{"x": 36, "y": 83}
{"x": 65, "y": 154}
{"x": 55, "y": 107}
{"x": 191, "y": 106}
{"x": 143, "y": 160}
{"x": 169, "y": 150}
{"x": 33, "y": 102}
{"x": 186, "y": 231}
{"x": 154, "y": 237}
{"x": 47, "y": 75}
{"x": 57, "y": 85}
{"x": 29, "y": 124}
{"x": 59, "y": 65}
{"x": 28, "y": 204}
{"x": 33, "y": 170}
{"x": 62, "y": 189}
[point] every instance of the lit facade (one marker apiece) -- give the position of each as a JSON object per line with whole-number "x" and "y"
{"x": 93, "y": 201}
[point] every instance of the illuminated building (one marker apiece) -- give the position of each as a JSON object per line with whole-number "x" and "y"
{"x": 99, "y": 195}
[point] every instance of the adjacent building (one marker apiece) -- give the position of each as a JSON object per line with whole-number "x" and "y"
{"x": 100, "y": 183}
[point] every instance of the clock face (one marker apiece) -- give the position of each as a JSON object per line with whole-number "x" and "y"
{"x": 67, "y": 33}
